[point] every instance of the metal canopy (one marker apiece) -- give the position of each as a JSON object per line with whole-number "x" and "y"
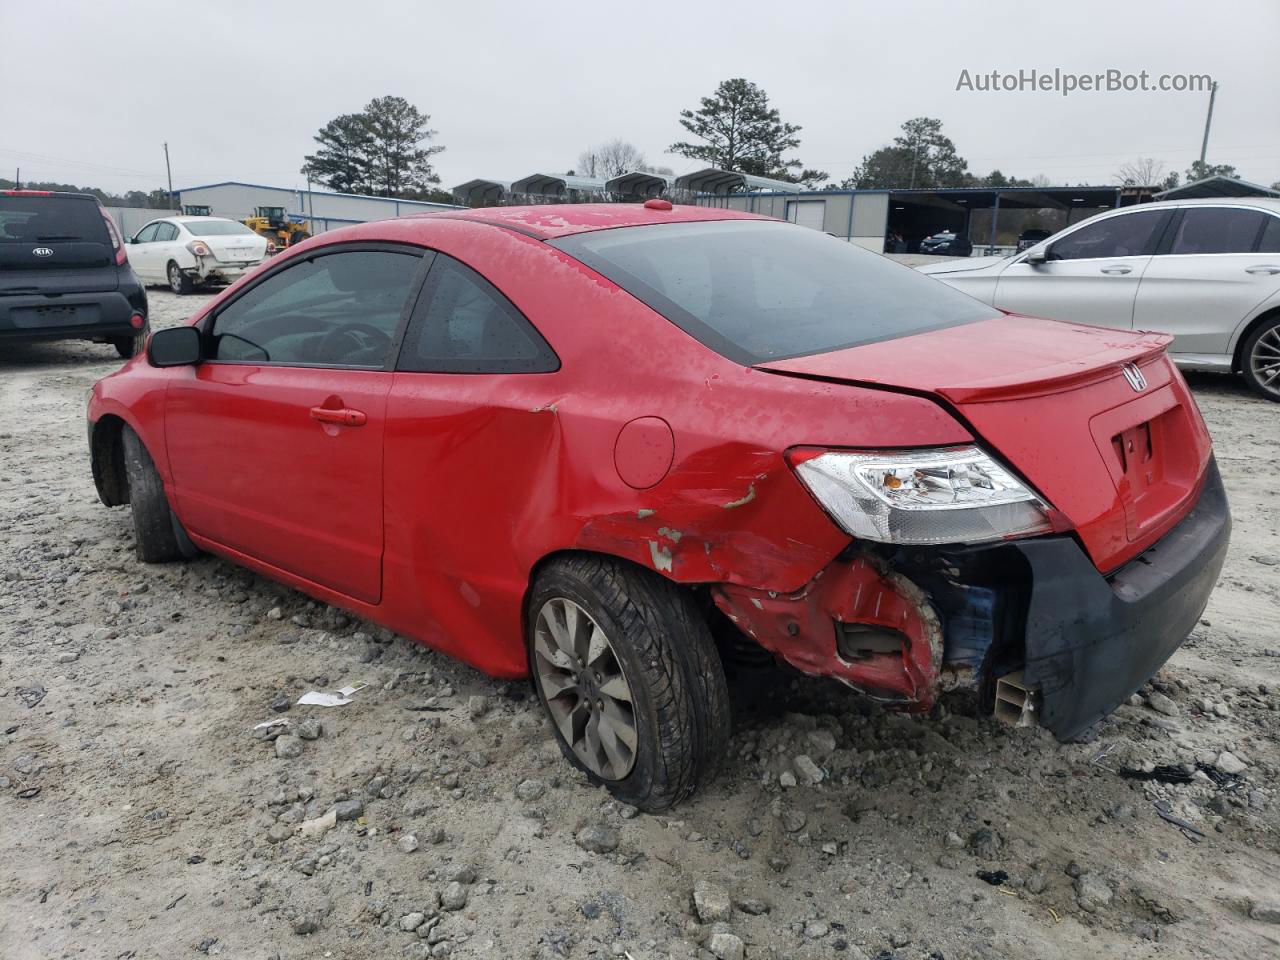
{"x": 556, "y": 185}
{"x": 1019, "y": 198}
{"x": 724, "y": 182}
{"x": 481, "y": 191}
{"x": 1216, "y": 188}
{"x": 638, "y": 183}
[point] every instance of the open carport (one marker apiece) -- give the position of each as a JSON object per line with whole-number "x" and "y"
{"x": 993, "y": 219}
{"x": 556, "y": 186}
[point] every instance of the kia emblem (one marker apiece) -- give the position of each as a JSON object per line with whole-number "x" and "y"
{"x": 1134, "y": 376}
{"x": 42, "y": 252}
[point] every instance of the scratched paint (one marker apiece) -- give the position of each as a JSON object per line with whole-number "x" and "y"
{"x": 661, "y": 556}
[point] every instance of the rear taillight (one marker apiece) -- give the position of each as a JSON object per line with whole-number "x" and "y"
{"x": 137, "y": 321}
{"x": 199, "y": 248}
{"x": 122, "y": 256}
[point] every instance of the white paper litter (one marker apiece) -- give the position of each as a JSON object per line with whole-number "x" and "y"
{"x": 320, "y": 825}
{"x": 316, "y": 698}
{"x": 277, "y": 722}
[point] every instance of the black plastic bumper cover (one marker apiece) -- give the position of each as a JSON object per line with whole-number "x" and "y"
{"x": 1092, "y": 640}
{"x": 108, "y": 314}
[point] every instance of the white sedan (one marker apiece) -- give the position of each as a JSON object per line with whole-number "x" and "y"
{"x": 1205, "y": 271}
{"x": 186, "y": 251}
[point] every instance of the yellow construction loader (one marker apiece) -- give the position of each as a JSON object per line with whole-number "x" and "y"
{"x": 274, "y": 224}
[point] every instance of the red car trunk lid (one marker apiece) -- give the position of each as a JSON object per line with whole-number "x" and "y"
{"x": 1098, "y": 420}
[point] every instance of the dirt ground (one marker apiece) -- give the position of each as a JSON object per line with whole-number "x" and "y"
{"x": 141, "y": 816}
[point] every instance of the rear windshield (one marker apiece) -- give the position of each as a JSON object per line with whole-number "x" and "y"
{"x": 215, "y": 228}
{"x": 758, "y": 290}
{"x": 50, "y": 220}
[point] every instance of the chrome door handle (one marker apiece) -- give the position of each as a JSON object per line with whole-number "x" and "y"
{"x": 1267, "y": 268}
{"x": 1117, "y": 270}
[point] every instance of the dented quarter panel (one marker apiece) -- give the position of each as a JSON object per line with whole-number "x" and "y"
{"x": 486, "y": 476}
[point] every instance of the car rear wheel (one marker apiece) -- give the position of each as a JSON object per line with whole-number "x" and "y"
{"x": 158, "y": 536}
{"x": 1261, "y": 352}
{"x": 626, "y": 668}
{"x": 179, "y": 282}
{"x": 131, "y": 346}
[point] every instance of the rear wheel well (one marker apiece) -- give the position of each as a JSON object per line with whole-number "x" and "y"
{"x": 697, "y": 591}
{"x": 106, "y": 455}
{"x": 1237, "y": 360}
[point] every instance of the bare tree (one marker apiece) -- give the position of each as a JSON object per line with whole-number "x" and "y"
{"x": 610, "y": 159}
{"x": 1142, "y": 172}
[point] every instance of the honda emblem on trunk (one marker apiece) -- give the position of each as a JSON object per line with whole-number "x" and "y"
{"x": 42, "y": 252}
{"x": 1134, "y": 376}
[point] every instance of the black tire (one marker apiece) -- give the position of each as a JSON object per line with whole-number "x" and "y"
{"x": 179, "y": 282}
{"x": 667, "y": 654}
{"x": 154, "y": 526}
{"x": 131, "y": 346}
{"x": 1264, "y": 341}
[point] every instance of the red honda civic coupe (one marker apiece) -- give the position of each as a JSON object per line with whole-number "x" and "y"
{"x": 586, "y": 443}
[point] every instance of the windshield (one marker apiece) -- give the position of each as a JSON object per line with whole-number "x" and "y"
{"x": 759, "y": 290}
{"x": 216, "y": 228}
{"x": 51, "y": 219}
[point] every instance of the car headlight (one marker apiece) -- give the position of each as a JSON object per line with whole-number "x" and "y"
{"x": 947, "y": 495}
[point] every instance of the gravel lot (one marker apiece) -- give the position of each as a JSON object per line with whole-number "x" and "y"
{"x": 141, "y": 817}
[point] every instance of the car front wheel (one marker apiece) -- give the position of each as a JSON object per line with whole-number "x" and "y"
{"x": 179, "y": 282}
{"x": 158, "y": 536}
{"x": 626, "y": 668}
{"x": 1261, "y": 366}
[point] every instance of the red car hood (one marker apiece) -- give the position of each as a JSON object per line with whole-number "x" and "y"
{"x": 1122, "y": 462}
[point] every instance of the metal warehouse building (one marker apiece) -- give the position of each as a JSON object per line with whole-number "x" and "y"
{"x": 992, "y": 219}
{"x": 322, "y": 209}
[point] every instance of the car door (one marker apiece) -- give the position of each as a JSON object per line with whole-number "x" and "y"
{"x": 275, "y": 440}
{"x": 1089, "y": 275}
{"x": 166, "y": 249}
{"x": 141, "y": 250}
{"x": 1208, "y": 277}
{"x": 470, "y": 417}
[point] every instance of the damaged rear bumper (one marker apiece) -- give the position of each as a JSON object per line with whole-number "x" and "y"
{"x": 1092, "y": 640}
{"x": 907, "y": 624}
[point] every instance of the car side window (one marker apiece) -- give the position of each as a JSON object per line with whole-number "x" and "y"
{"x": 338, "y": 309}
{"x": 147, "y": 234}
{"x": 166, "y": 232}
{"x": 463, "y": 324}
{"x": 1216, "y": 230}
{"x": 1269, "y": 242}
{"x": 1128, "y": 235}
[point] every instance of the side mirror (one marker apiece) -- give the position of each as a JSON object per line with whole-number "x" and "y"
{"x": 1037, "y": 257}
{"x": 175, "y": 347}
{"x": 130, "y": 239}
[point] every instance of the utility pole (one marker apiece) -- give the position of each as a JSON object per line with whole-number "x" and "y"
{"x": 168, "y": 172}
{"x": 1204, "y": 144}
{"x": 17, "y": 178}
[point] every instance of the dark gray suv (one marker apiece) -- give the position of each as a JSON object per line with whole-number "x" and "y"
{"x": 64, "y": 273}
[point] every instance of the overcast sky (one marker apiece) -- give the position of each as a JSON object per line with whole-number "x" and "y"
{"x": 92, "y": 89}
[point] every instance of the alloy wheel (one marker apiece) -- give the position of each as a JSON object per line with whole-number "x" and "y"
{"x": 175, "y": 278}
{"x": 586, "y": 691}
{"x": 1264, "y": 361}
